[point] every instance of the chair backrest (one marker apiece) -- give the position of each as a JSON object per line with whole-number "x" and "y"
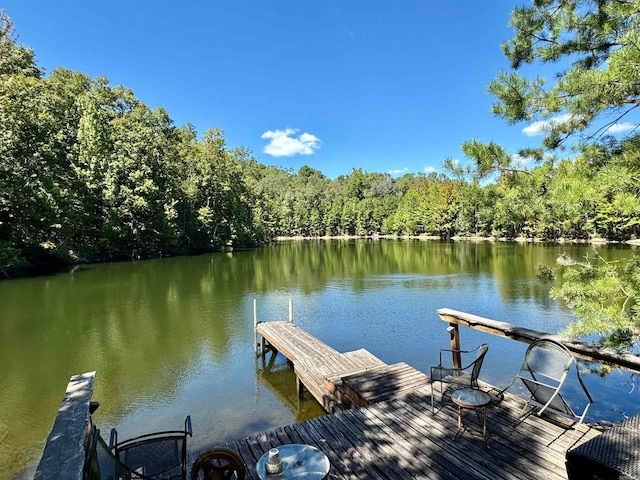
{"x": 544, "y": 370}
{"x": 161, "y": 456}
{"x": 477, "y": 364}
{"x": 549, "y": 359}
{"x": 157, "y": 455}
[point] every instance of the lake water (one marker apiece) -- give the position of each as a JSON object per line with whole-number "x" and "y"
{"x": 173, "y": 337}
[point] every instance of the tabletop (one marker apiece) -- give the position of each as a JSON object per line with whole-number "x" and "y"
{"x": 298, "y": 461}
{"x": 470, "y": 398}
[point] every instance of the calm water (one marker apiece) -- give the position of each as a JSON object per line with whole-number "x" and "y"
{"x": 173, "y": 337}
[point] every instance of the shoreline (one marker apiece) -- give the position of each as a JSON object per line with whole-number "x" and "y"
{"x": 594, "y": 241}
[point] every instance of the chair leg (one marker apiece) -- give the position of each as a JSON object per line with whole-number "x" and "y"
{"x": 576, "y": 426}
{"x": 523, "y": 415}
{"x": 442, "y": 392}
{"x": 433, "y": 408}
{"x": 523, "y": 410}
{"x": 573, "y": 436}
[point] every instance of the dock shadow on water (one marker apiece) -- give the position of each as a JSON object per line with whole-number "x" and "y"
{"x": 173, "y": 337}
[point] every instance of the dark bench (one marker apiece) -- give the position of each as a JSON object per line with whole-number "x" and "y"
{"x": 613, "y": 455}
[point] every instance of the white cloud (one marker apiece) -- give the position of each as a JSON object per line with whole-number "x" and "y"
{"x": 286, "y": 143}
{"x": 398, "y": 171}
{"x": 622, "y": 127}
{"x": 542, "y": 126}
{"x": 429, "y": 169}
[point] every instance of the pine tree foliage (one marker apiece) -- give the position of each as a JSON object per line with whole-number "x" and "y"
{"x": 605, "y": 296}
{"x": 593, "y": 97}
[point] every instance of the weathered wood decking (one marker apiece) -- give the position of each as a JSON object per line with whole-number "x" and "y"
{"x": 401, "y": 438}
{"x": 317, "y": 366}
{"x": 392, "y": 434}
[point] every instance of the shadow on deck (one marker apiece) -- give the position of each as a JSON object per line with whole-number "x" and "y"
{"x": 400, "y": 438}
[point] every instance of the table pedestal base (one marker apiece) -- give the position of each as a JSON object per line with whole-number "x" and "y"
{"x": 472, "y": 399}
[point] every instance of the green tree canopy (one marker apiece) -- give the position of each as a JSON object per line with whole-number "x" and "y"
{"x": 14, "y": 58}
{"x": 604, "y": 296}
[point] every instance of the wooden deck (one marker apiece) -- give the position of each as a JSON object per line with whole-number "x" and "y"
{"x": 401, "y": 438}
{"x": 392, "y": 433}
{"x": 382, "y": 383}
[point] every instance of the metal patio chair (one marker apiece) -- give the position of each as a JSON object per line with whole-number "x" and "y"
{"x": 101, "y": 464}
{"x": 543, "y": 372}
{"x": 158, "y": 455}
{"x": 466, "y": 376}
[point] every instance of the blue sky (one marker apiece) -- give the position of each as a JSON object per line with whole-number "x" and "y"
{"x": 387, "y": 86}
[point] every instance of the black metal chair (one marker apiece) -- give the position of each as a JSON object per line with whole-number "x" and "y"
{"x": 218, "y": 464}
{"x": 158, "y": 456}
{"x": 101, "y": 464}
{"x": 466, "y": 376}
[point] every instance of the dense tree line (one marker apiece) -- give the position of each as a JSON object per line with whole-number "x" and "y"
{"x": 573, "y": 199}
{"x": 89, "y": 172}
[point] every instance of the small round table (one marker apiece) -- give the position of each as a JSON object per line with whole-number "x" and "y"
{"x": 298, "y": 461}
{"x": 473, "y": 399}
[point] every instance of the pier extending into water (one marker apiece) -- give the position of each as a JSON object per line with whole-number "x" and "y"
{"x": 336, "y": 380}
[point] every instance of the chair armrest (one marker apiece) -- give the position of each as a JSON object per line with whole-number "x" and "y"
{"x": 459, "y": 351}
{"x": 584, "y": 388}
{"x": 113, "y": 439}
{"x": 451, "y": 350}
{"x": 187, "y": 426}
{"x": 93, "y": 406}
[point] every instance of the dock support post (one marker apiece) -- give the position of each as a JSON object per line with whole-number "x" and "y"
{"x": 255, "y": 333}
{"x": 291, "y": 310}
{"x": 299, "y": 387}
{"x": 456, "y": 357}
{"x": 255, "y": 327}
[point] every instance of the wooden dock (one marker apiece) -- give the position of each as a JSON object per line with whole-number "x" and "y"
{"x": 382, "y": 427}
{"x": 337, "y": 380}
{"x": 391, "y": 431}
